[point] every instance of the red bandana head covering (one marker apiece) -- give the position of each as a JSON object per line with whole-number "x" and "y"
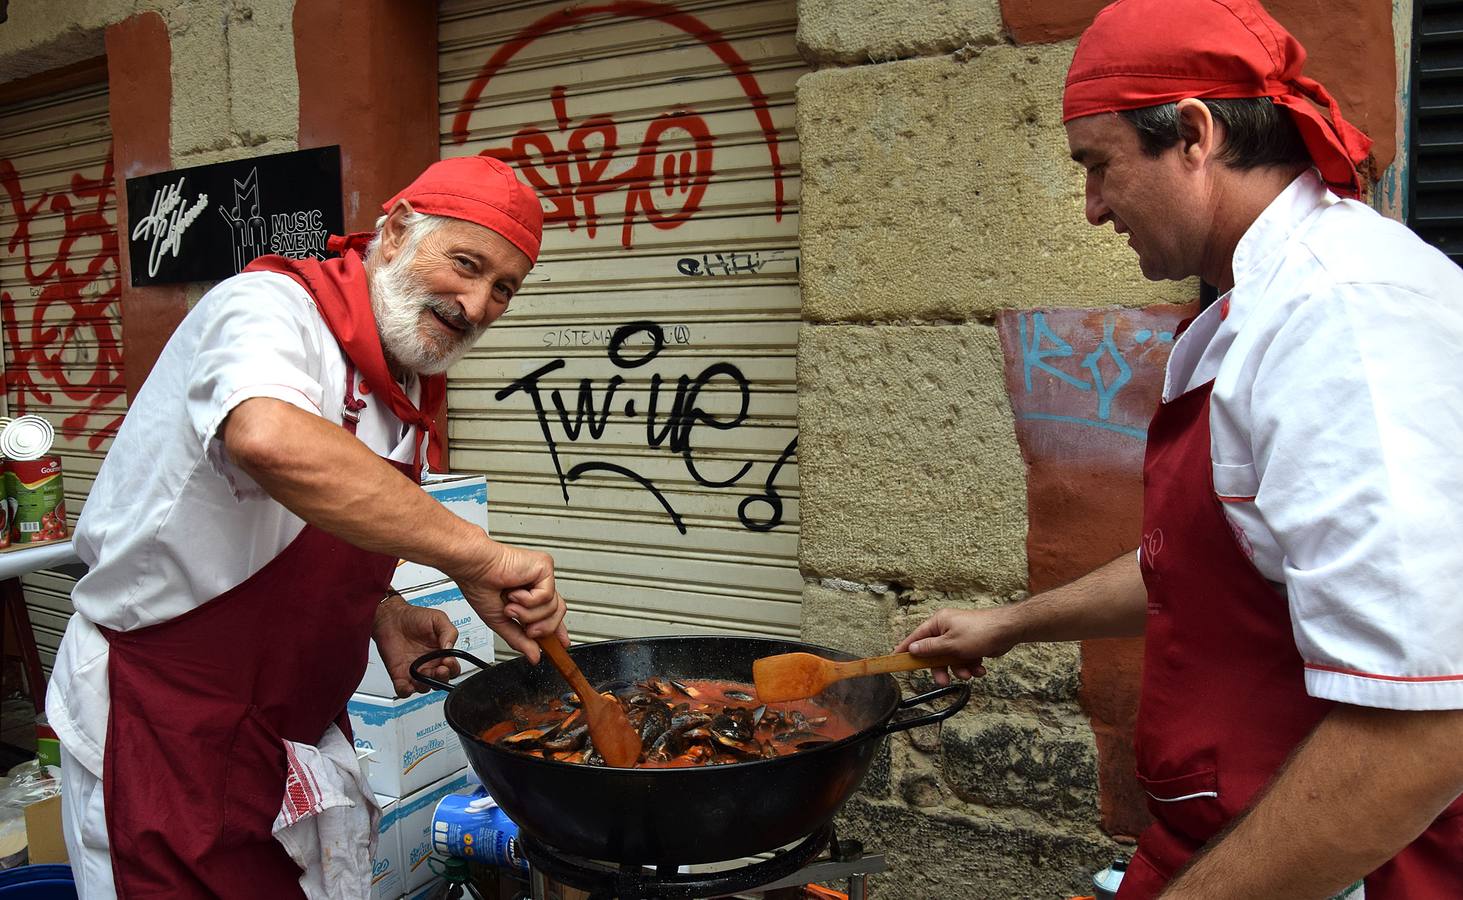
{"x": 483, "y": 190}
{"x": 1140, "y": 53}
{"x": 475, "y": 189}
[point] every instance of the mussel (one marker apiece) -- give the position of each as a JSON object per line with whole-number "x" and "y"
{"x": 679, "y": 724}
{"x": 734, "y": 723}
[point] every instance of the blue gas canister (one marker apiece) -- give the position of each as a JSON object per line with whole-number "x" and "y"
{"x": 472, "y": 826}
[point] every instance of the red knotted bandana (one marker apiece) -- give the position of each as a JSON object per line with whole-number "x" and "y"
{"x": 1140, "y": 53}
{"x": 482, "y": 190}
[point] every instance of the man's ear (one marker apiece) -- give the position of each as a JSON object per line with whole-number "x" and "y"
{"x": 1199, "y": 131}
{"x": 393, "y": 232}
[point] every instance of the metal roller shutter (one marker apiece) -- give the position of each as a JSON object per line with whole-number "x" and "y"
{"x": 60, "y": 300}
{"x": 636, "y": 409}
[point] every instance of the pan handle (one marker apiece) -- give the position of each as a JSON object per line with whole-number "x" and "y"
{"x": 961, "y": 692}
{"x": 436, "y": 655}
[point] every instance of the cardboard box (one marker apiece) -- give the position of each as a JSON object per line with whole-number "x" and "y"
{"x": 364, "y": 755}
{"x": 432, "y": 890}
{"x": 473, "y": 634}
{"x": 387, "y": 870}
{"x": 465, "y": 495}
{"x": 43, "y": 831}
{"x": 413, "y": 744}
{"x": 415, "y": 825}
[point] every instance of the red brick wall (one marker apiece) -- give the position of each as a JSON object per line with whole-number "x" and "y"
{"x": 368, "y": 82}
{"x": 140, "y": 84}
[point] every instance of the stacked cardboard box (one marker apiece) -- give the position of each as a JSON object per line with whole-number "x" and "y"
{"x": 404, "y": 841}
{"x": 416, "y": 758}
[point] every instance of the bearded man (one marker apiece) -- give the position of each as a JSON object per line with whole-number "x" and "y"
{"x": 241, "y": 537}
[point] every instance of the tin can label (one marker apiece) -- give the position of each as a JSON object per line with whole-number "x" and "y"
{"x": 7, "y": 508}
{"x": 471, "y": 826}
{"x": 37, "y": 497}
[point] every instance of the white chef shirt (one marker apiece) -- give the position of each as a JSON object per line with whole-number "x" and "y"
{"x": 170, "y": 522}
{"x": 1337, "y": 440}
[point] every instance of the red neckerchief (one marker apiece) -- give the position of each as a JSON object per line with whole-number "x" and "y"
{"x": 341, "y": 293}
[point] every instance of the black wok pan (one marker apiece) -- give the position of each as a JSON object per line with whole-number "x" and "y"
{"x": 660, "y": 816}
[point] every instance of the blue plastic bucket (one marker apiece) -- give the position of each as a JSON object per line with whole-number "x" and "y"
{"x": 41, "y": 882}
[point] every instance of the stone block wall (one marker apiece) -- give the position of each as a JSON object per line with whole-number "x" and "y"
{"x": 234, "y": 89}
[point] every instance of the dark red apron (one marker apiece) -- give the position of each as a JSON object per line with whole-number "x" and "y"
{"x": 1223, "y": 700}
{"x": 194, "y": 774}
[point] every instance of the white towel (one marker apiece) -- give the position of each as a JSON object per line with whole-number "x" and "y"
{"x": 327, "y": 821}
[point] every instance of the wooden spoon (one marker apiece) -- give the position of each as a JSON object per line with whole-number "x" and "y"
{"x": 609, "y": 728}
{"x": 793, "y": 676}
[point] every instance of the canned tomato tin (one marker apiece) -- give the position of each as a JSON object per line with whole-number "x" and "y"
{"x": 37, "y": 498}
{"x": 27, "y": 437}
{"x": 7, "y": 503}
{"x": 7, "y": 509}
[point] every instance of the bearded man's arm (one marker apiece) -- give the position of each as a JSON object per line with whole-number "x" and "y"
{"x": 326, "y": 476}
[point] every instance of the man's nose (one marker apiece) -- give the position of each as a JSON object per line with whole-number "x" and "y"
{"x": 476, "y": 305}
{"x": 1096, "y": 209}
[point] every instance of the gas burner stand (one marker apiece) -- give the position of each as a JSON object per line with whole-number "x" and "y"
{"x": 803, "y": 863}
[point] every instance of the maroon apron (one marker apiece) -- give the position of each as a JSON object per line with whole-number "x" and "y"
{"x": 194, "y": 773}
{"x": 1223, "y": 701}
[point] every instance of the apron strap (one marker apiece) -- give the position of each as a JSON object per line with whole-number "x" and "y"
{"x": 351, "y": 406}
{"x": 350, "y": 417}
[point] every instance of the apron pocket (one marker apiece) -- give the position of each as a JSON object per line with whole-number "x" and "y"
{"x": 254, "y": 780}
{"x": 1188, "y": 804}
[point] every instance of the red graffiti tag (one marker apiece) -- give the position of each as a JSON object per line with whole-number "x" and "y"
{"x": 576, "y": 175}
{"x": 81, "y": 288}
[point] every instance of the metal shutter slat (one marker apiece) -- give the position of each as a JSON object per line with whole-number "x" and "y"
{"x": 69, "y": 348}
{"x": 720, "y": 280}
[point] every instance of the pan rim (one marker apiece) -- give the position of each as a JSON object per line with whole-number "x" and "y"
{"x": 871, "y": 731}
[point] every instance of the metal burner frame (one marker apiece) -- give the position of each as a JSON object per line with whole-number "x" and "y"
{"x": 786, "y": 868}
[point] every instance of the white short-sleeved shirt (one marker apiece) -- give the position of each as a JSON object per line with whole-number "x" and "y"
{"x": 170, "y": 522}
{"x": 1337, "y": 440}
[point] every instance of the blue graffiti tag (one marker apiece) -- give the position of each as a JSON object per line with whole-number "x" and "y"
{"x": 1034, "y": 357}
{"x": 1039, "y": 343}
{"x": 1105, "y": 391}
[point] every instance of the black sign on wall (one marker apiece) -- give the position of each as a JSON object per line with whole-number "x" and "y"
{"x": 207, "y": 222}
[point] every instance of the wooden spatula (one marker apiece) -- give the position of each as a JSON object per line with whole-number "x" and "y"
{"x": 610, "y": 730}
{"x": 793, "y": 676}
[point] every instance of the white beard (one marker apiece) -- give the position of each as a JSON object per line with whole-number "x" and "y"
{"x": 400, "y": 301}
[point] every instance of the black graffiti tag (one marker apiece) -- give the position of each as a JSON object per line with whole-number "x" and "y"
{"x": 674, "y": 429}
{"x": 768, "y": 496}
